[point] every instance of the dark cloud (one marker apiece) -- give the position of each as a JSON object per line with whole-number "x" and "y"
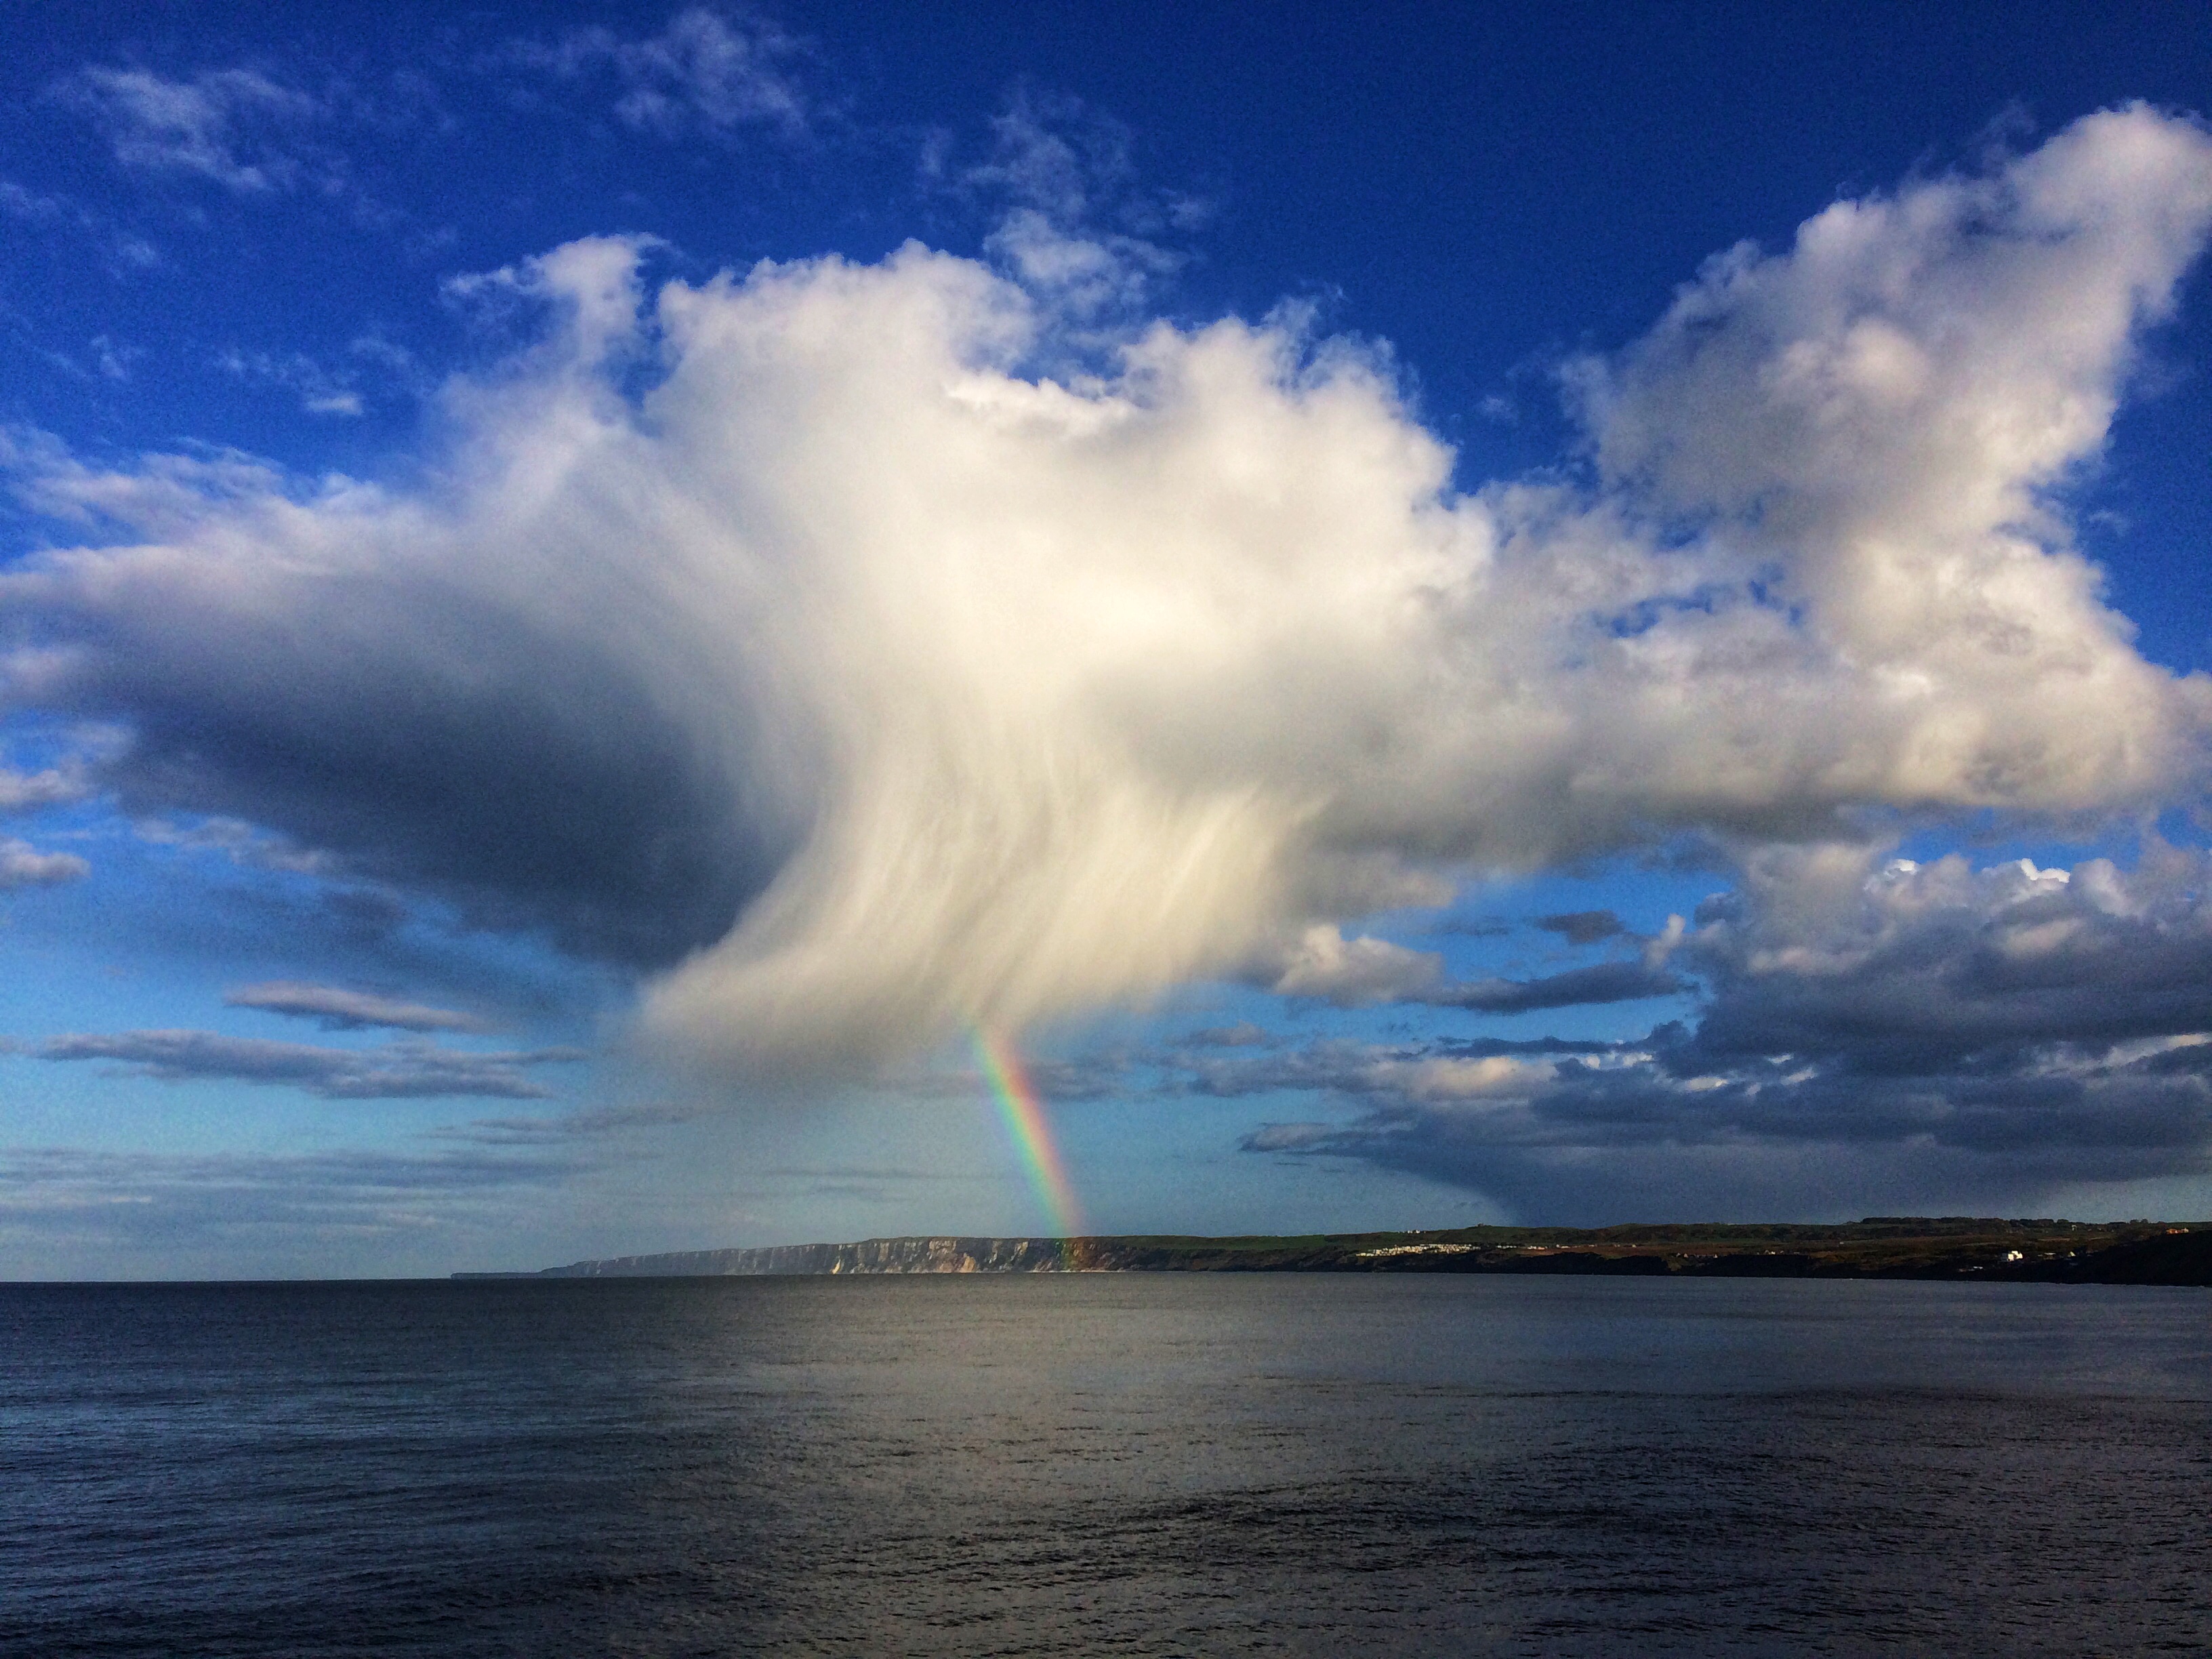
{"x": 1941, "y": 969}
{"x": 1243, "y": 1035}
{"x": 398, "y": 1072}
{"x": 413, "y": 737}
{"x": 340, "y": 1010}
{"x": 1592, "y": 1146}
{"x": 1868, "y": 1039}
{"x": 1583, "y": 926}
{"x": 1604, "y": 981}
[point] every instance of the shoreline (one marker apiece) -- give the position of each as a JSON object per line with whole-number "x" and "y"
{"x": 1994, "y": 1251}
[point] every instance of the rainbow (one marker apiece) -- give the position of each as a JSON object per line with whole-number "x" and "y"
{"x": 1032, "y": 1136}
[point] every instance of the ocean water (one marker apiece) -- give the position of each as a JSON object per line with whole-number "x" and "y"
{"x": 1108, "y": 1464}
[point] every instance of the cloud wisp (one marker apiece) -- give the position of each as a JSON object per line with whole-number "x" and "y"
{"x": 876, "y": 670}
{"x": 236, "y": 128}
{"x": 337, "y": 1009}
{"x": 400, "y": 1071}
{"x": 707, "y": 72}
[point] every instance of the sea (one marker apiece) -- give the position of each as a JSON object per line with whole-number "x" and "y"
{"x": 1140, "y": 1464}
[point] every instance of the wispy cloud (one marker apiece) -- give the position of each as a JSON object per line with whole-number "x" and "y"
{"x": 594, "y": 1124}
{"x": 122, "y": 250}
{"x": 337, "y": 1009}
{"x": 237, "y": 128}
{"x": 1075, "y": 222}
{"x": 236, "y": 840}
{"x": 320, "y": 391}
{"x": 708, "y": 71}
{"x": 398, "y": 1072}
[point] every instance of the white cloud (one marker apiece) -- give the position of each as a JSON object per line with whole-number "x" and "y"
{"x": 1354, "y": 973}
{"x": 1883, "y": 411}
{"x": 22, "y": 865}
{"x": 54, "y": 785}
{"x": 906, "y": 685}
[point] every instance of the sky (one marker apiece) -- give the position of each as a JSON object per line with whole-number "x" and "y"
{"x": 647, "y": 628}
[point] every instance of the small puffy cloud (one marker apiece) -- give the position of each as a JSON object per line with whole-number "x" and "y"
{"x": 22, "y": 865}
{"x": 1355, "y": 973}
{"x": 1445, "y": 1070}
{"x": 340, "y": 1010}
{"x": 399, "y": 1071}
{"x": 54, "y": 785}
{"x": 229, "y": 126}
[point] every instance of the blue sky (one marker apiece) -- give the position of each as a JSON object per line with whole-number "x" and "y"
{"x": 1444, "y": 616}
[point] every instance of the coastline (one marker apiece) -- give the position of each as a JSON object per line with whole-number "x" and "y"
{"x": 2039, "y": 1251}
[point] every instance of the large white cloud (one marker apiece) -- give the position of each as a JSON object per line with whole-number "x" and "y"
{"x": 907, "y": 676}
